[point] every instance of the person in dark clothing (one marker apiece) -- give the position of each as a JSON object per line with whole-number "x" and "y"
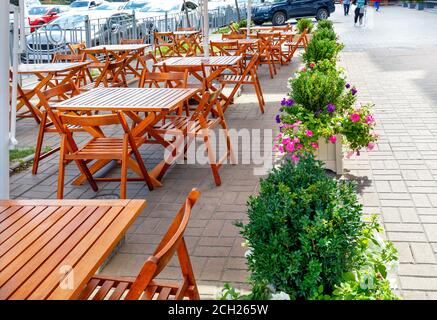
{"x": 359, "y": 10}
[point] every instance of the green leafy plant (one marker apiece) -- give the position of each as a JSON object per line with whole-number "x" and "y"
{"x": 303, "y": 229}
{"x": 325, "y": 24}
{"x": 322, "y": 49}
{"x": 303, "y": 24}
{"x": 324, "y": 33}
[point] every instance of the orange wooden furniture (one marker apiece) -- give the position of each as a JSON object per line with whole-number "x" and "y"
{"x": 165, "y": 44}
{"x": 112, "y": 75}
{"x": 75, "y": 48}
{"x": 101, "y": 148}
{"x": 51, "y": 248}
{"x": 132, "y": 102}
{"x": 80, "y": 57}
{"x": 292, "y": 46}
{"x": 145, "y": 286}
{"x": 47, "y": 126}
{"x": 266, "y": 52}
{"x": 249, "y": 77}
{"x": 188, "y": 41}
{"x": 233, "y": 36}
{"x": 198, "y": 125}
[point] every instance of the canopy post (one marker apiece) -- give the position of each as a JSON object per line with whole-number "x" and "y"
{"x": 4, "y": 100}
{"x": 205, "y": 28}
{"x": 249, "y": 17}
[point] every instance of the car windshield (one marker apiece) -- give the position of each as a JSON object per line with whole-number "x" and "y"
{"x": 134, "y": 5}
{"x": 79, "y": 4}
{"x": 105, "y": 7}
{"x": 38, "y": 11}
{"x": 156, "y": 8}
{"x": 66, "y": 22}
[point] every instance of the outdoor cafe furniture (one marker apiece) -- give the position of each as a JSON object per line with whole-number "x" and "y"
{"x": 46, "y": 76}
{"x": 217, "y": 65}
{"x": 50, "y": 249}
{"x": 111, "y": 75}
{"x": 145, "y": 286}
{"x": 165, "y": 44}
{"x": 188, "y": 41}
{"x": 198, "y": 125}
{"x": 248, "y": 77}
{"x": 291, "y": 46}
{"x": 132, "y": 102}
{"x": 130, "y": 52}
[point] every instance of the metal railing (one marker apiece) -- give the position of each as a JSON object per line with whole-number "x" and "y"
{"x": 42, "y": 42}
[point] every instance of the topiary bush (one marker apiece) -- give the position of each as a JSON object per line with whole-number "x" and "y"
{"x": 324, "y": 34}
{"x": 303, "y": 24}
{"x": 322, "y": 49}
{"x": 325, "y": 24}
{"x": 303, "y": 229}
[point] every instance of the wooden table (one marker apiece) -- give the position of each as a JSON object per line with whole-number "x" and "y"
{"x": 45, "y": 73}
{"x": 131, "y": 52}
{"x": 50, "y": 249}
{"x": 131, "y": 101}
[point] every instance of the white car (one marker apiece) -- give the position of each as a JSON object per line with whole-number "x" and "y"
{"x": 85, "y": 5}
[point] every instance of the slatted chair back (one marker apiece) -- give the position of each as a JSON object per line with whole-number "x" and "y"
{"x": 166, "y": 79}
{"x": 224, "y": 48}
{"x": 168, "y": 41}
{"x": 206, "y": 105}
{"x": 198, "y": 69}
{"x": 132, "y": 41}
{"x": 285, "y": 28}
{"x": 233, "y": 36}
{"x": 75, "y": 48}
{"x": 172, "y": 242}
{"x": 234, "y": 29}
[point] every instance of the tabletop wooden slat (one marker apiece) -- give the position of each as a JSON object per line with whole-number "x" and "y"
{"x": 214, "y": 61}
{"x": 53, "y": 234}
{"x": 119, "y": 47}
{"x": 128, "y": 99}
{"x": 49, "y": 67}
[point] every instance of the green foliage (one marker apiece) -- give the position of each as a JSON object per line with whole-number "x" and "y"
{"x": 303, "y": 229}
{"x": 20, "y": 153}
{"x": 322, "y": 24}
{"x": 324, "y": 33}
{"x": 303, "y": 24}
{"x": 315, "y": 87}
{"x": 322, "y": 49}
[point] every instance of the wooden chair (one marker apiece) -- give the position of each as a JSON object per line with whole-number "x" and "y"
{"x": 249, "y": 77}
{"x": 168, "y": 41}
{"x": 79, "y": 57}
{"x": 233, "y": 29}
{"x": 266, "y": 51}
{"x": 47, "y": 124}
{"x": 198, "y": 125}
{"x": 233, "y": 36}
{"x": 101, "y": 147}
{"x": 144, "y": 286}
{"x": 75, "y": 48}
{"x": 292, "y": 46}
{"x": 25, "y": 108}
{"x": 224, "y": 48}
{"x": 112, "y": 76}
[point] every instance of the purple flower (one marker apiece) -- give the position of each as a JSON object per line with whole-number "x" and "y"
{"x": 281, "y": 110}
{"x": 348, "y": 85}
{"x": 278, "y": 118}
{"x": 354, "y": 91}
{"x": 290, "y": 102}
{"x": 284, "y": 102}
{"x": 330, "y": 108}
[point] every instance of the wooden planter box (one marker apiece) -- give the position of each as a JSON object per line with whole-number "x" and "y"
{"x": 331, "y": 154}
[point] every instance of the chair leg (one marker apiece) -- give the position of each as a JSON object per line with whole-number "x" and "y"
{"x": 259, "y": 95}
{"x": 229, "y": 148}
{"x": 212, "y": 159}
{"x": 39, "y": 142}
{"x": 123, "y": 180}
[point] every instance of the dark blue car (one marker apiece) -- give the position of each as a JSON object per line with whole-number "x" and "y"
{"x": 279, "y": 11}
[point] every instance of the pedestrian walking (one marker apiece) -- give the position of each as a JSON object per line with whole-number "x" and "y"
{"x": 359, "y": 11}
{"x": 346, "y": 6}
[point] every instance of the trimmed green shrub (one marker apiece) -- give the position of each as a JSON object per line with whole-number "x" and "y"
{"x": 325, "y": 24}
{"x": 303, "y": 24}
{"x": 323, "y": 49}
{"x": 324, "y": 34}
{"x": 316, "y": 87}
{"x": 303, "y": 229}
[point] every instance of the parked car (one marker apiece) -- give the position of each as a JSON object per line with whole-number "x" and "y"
{"x": 134, "y": 5}
{"x": 110, "y": 6}
{"x": 85, "y": 5}
{"x": 279, "y": 11}
{"x": 28, "y": 4}
{"x": 41, "y": 15}
{"x": 106, "y": 27}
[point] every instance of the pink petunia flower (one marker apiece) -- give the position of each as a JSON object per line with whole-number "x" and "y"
{"x": 299, "y": 146}
{"x": 355, "y": 117}
{"x": 286, "y": 140}
{"x": 309, "y": 133}
{"x": 333, "y": 139}
{"x": 370, "y": 146}
{"x": 295, "y": 158}
{"x": 290, "y": 147}
{"x": 312, "y": 65}
{"x": 296, "y": 140}
{"x": 370, "y": 119}
{"x": 349, "y": 154}
{"x": 315, "y": 145}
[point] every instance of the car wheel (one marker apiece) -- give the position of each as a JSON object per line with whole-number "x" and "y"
{"x": 322, "y": 14}
{"x": 279, "y": 19}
